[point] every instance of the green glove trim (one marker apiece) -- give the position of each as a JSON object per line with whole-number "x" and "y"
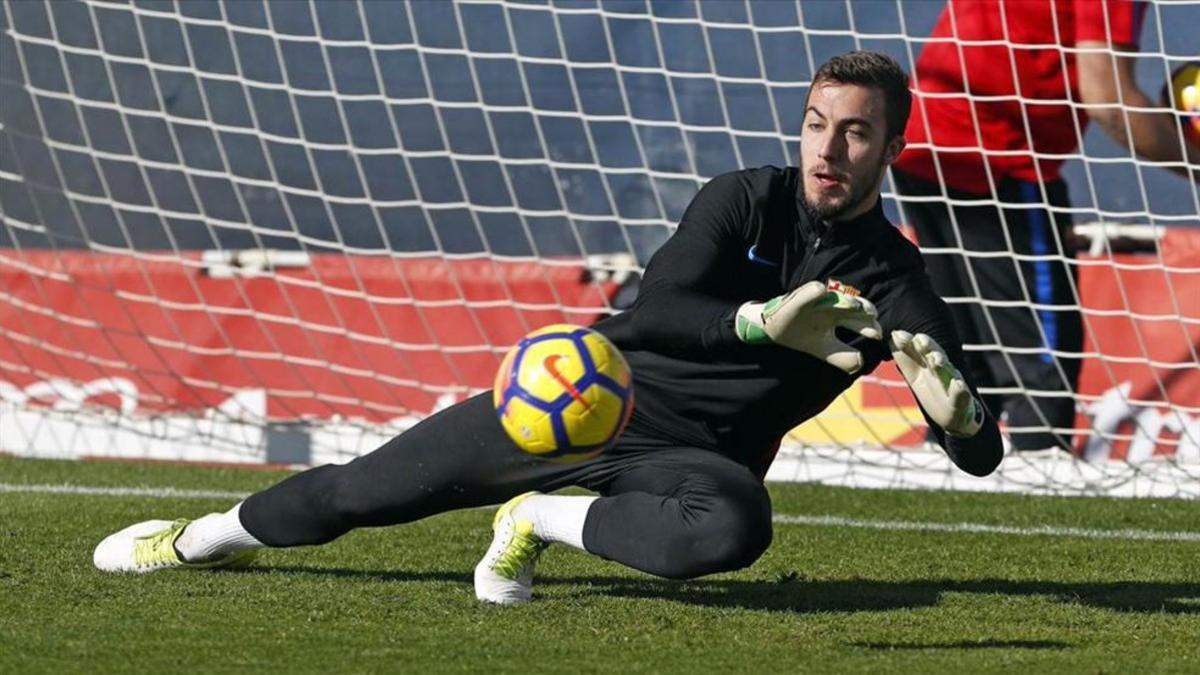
{"x": 971, "y": 418}
{"x": 750, "y": 332}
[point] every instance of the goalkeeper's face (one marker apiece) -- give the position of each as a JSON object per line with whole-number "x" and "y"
{"x": 845, "y": 148}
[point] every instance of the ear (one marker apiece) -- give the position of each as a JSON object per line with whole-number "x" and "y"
{"x": 894, "y": 147}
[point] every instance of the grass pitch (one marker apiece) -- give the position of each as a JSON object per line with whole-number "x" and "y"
{"x": 823, "y": 599}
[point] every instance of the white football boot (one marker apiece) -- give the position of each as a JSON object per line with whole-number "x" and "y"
{"x": 150, "y": 546}
{"x": 505, "y": 575}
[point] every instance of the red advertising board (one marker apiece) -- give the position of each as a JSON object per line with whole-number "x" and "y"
{"x": 377, "y": 338}
{"x": 367, "y": 337}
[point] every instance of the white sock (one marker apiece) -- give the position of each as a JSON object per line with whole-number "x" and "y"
{"x": 214, "y": 536}
{"x": 557, "y": 519}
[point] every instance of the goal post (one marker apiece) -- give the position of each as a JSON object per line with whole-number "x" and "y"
{"x": 284, "y": 231}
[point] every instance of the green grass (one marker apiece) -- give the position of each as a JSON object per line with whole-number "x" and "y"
{"x": 823, "y": 599}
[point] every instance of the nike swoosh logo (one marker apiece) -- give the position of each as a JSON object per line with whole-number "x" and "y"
{"x": 549, "y": 363}
{"x": 755, "y": 259}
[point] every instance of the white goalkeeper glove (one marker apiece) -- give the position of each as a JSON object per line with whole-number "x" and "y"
{"x": 937, "y": 384}
{"x": 805, "y": 319}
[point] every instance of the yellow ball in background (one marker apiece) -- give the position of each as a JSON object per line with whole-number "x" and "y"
{"x": 564, "y": 393}
{"x": 1183, "y": 94}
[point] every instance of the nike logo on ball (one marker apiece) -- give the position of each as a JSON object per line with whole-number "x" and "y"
{"x": 550, "y": 365}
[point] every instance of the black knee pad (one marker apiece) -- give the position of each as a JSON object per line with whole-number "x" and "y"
{"x": 729, "y": 535}
{"x": 740, "y": 535}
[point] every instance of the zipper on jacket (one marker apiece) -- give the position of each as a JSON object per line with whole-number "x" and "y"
{"x": 812, "y": 253}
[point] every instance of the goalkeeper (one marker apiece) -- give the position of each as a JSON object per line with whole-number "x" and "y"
{"x": 778, "y": 290}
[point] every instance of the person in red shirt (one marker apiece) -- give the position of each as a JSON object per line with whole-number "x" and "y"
{"x": 1003, "y": 91}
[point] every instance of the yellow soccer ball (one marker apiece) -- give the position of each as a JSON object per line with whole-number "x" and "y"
{"x": 564, "y": 393}
{"x": 1184, "y": 88}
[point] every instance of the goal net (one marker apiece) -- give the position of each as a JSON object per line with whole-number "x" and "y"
{"x": 283, "y": 232}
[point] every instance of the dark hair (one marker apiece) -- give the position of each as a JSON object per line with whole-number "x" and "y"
{"x": 871, "y": 69}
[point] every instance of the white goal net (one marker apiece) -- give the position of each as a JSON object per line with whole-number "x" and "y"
{"x": 283, "y": 231}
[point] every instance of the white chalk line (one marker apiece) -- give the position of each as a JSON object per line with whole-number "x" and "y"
{"x": 155, "y": 493}
{"x": 980, "y": 528}
{"x": 781, "y": 518}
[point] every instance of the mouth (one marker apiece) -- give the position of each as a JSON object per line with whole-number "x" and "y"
{"x": 827, "y": 180}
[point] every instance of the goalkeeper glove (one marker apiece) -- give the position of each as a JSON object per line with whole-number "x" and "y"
{"x": 805, "y": 320}
{"x": 937, "y": 384}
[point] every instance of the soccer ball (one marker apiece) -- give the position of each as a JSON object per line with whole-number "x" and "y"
{"x": 1184, "y": 94}
{"x": 564, "y": 393}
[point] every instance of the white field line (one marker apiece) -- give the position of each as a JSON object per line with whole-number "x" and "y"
{"x": 781, "y": 518}
{"x": 980, "y": 528}
{"x": 155, "y": 493}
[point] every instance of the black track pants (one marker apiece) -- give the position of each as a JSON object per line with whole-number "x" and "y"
{"x": 1020, "y": 338}
{"x": 669, "y": 510}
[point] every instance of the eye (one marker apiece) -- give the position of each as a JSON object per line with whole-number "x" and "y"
{"x": 814, "y": 126}
{"x": 856, "y": 134}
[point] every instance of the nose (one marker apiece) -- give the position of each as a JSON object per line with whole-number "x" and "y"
{"x": 829, "y": 145}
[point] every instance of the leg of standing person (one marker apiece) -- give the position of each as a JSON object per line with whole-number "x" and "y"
{"x": 936, "y": 228}
{"x": 1027, "y": 308}
{"x": 1047, "y": 332}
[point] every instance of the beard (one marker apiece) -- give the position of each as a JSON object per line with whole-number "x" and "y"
{"x": 859, "y": 190}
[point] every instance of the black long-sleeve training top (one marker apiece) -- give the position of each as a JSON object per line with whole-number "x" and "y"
{"x": 746, "y": 236}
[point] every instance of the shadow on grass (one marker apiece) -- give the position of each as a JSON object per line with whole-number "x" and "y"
{"x": 801, "y": 595}
{"x": 351, "y": 574}
{"x": 962, "y": 644}
{"x": 792, "y": 593}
